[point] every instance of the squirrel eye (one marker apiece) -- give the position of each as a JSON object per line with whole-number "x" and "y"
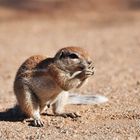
{"x": 73, "y": 56}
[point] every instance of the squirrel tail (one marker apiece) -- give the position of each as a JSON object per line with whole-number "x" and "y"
{"x": 86, "y": 99}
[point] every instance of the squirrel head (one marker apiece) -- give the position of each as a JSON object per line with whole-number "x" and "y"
{"x": 72, "y": 59}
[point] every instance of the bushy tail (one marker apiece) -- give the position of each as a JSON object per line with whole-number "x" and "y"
{"x": 86, "y": 99}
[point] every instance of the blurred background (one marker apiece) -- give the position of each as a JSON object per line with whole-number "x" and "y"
{"x": 55, "y": 7}
{"x": 61, "y": 8}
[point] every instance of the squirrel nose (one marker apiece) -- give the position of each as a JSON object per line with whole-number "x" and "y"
{"x": 89, "y": 62}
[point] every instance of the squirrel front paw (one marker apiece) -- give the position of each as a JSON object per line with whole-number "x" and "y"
{"x": 89, "y": 71}
{"x": 91, "y": 68}
{"x": 37, "y": 123}
{"x": 86, "y": 73}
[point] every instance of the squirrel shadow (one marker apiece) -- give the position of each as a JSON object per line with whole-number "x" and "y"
{"x": 15, "y": 115}
{"x": 12, "y": 114}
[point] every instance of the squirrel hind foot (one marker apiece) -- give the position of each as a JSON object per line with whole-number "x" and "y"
{"x": 70, "y": 115}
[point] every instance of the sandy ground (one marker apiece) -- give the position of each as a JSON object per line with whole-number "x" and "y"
{"x": 114, "y": 44}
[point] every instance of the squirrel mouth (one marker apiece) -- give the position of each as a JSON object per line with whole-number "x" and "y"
{"x": 81, "y": 68}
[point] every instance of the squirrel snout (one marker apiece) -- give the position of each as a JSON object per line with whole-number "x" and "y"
{"x": 89, "y": 62}
{"x": 82, "y": 67}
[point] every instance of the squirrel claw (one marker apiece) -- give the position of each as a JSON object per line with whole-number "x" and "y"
{"x": 38, "y": 123}
{"x": 71, "y": 115}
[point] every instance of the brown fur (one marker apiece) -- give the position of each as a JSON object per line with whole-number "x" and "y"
{"x": 40, "y": 80}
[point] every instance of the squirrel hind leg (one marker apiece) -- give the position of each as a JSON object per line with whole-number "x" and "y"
{"x": 59, "y": 104}
{"x": 29, "y": 105}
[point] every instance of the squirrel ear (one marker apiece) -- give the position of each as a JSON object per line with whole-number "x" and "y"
{"x": 61, "y": 54}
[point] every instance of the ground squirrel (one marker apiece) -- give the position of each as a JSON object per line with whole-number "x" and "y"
{"x": 41, "y": 82}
